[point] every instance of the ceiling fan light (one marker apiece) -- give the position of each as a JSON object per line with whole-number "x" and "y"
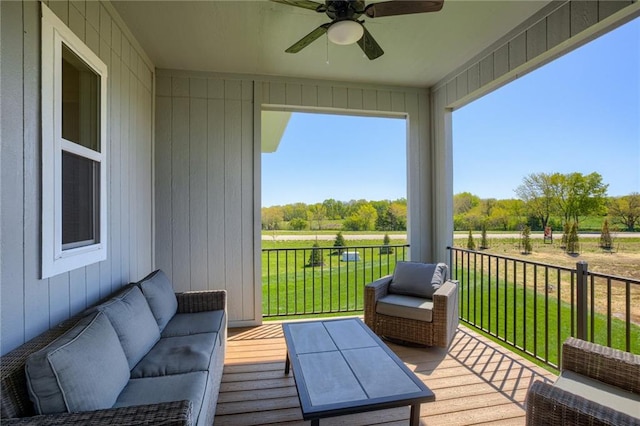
{"x": 345, "y": 32}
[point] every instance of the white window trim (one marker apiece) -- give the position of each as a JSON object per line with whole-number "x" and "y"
{"x": 55, "y": 260}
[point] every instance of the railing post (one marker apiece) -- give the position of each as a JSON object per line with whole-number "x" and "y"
{"x": 582, "y": 273}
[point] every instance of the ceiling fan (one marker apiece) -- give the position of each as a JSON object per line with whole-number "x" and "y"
{"x": 345, "y": 28}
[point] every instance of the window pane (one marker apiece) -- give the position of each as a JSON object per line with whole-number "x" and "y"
{"x": 80, "y": 184}
{"x": 80, "y": 101}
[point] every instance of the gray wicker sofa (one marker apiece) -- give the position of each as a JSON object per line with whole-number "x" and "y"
{"x": 146, "y": 355}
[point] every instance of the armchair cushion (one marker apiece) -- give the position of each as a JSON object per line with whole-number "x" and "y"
{"x": 397, "y": 305}
{"x": 417, "y": 279}
{"x": 595, "y": 390}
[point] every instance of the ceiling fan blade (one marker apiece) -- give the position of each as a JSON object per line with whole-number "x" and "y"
{"x": 306, "y": 4}
{"x": 369, "y": 45}
{"x": 400, "y": 7}
{"x": 308, "y": 39}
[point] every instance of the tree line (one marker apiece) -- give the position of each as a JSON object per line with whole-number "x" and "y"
{"x": 354, "y": 215}
{"x": 555, "y": 200}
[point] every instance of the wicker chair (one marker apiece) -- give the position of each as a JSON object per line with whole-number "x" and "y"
{"x": 593, "y": 372}
{"x": 437, "y": 332}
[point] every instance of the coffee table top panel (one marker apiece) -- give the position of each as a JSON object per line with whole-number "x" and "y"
{"x": 378, "y": 374}
{"x": 329, "y": 379}
{"x": 310, "y": 337}
{"x": 347, "y": 334}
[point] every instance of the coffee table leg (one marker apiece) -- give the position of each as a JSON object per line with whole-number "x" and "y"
{"x": 414, "y": 420}
{"x": 315, "y": 422}
{"x": 287, "y": 364}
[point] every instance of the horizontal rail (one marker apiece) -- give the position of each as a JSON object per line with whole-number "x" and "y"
{"x": 534, "y": 306}
{"x": 323, "y": 280}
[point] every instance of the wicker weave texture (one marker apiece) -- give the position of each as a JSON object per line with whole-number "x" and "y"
{"x": 201, "y": 301}
{"x": 549, "y": 405}
{"x": 552, "y": 406}
{"x": 438, "y": 332}
{"x": 612, "y": 366}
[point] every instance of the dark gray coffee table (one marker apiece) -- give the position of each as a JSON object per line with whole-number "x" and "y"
{"x": 341, "y": 367}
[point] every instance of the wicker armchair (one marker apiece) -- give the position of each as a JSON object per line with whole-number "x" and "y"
{"x": 598, "y": 371}
{"x": 437, "y": 332}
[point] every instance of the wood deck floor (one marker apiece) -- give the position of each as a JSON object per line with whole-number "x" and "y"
{"x": 476, "y": 382}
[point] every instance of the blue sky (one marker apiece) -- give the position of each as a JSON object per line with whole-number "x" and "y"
{"x": 579, "y": 113}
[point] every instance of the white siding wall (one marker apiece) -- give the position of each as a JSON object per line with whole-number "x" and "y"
{"x": 208, "y": 173}
{"x": 29, "y": 305}
{"x": 559, "y": 28}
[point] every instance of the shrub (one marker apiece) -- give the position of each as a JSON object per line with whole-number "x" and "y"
{"x": 298, "y": 224}
{"x": 339, "y": 242}
{"x": 605, "y": 236}
{"x": 526, "y": 240}
{"x": 385, "y": 249}
{"x": 315, "y": 259}
{"x": 572, "y": 239}
{"x": 484, "y": 242}
{"x": 471, "y": 244}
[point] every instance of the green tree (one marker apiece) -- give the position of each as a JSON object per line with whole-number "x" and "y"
{"x": 566, "y": 228}
{"x": 537, "y": 192}
{"x": 626, "y": 210}
{"x": 526, "y": 240}
{"x": 363, "y": 219}
{"x": 334, "y": 209}
{"x": 572, "y": 239}
{"x": 315, "y": 259}
{"x": 271, "y": 217}
{"x": 471, "y": 244}
{"x": 605, "y": 236}
{"x": 339, "y": 242}
{"x": 578, "y": 195}
{"x": 298, "y": 224}
{"x": 317, "y": 213}
{"x": 464, "y": 201}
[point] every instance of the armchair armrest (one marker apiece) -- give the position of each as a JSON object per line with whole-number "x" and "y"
{"x": 611, "y": 366}
{"x": 176, "y": 413}
{"x": 200, "y": 301}
{"x": 445, "y": 313}
{"x": 372, "y": 292}
{"x": 550, "y": 405}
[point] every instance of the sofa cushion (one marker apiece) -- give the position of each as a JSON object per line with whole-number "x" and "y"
{"x": 84, "y": 369}
{"x": 134, "y": 323}
{"x": 153, "y": 390}
{"x": 194, "y": 323}
{"x": 397, "y": 305}
{"x": 417, "y": 279}
{"x": 158, "y": 290}
{"x": 602, "y": 393}
{"x": 176, "y": 355}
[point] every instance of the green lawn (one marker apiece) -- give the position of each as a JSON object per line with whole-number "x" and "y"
{"x": 532, "y": 320}
{"x": 291, "y": 287}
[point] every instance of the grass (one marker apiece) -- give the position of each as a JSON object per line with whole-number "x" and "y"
{"x": 292, "y": 287}
{"x": 516, "y": 314}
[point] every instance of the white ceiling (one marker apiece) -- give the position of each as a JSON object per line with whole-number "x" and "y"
{"x": 249, "y": 37}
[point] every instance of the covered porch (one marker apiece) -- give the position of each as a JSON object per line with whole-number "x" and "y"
{"x": 476, "y": 381}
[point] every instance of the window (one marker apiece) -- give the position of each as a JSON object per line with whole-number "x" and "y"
{"x": 74, "y": 161}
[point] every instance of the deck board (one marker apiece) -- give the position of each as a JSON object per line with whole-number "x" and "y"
{"x": 476, "y": 381}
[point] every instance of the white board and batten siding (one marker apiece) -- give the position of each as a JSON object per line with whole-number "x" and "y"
{"x": 557, "y": 29}
{"x": 28, "y": 304}
{"x": 208, "y": 172}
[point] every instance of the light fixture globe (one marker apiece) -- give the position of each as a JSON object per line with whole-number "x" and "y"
{"x": 345, "y": 32}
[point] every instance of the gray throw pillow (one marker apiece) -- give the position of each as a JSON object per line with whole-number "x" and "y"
{"x": 417, "y": 279}
{"x": 158, "y": 290}
{"x": 85, "y": 369}
{"x": 134, "y": 323}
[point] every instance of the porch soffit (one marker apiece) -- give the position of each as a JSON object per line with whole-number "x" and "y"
{"x": 249, "y": 37}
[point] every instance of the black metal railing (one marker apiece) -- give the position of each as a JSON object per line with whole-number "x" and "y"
{"x": 534, "y": 306}
{"x": 323, "y": 280}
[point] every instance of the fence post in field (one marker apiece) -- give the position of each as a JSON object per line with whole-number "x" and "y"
{"x": 582, "y": 268}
